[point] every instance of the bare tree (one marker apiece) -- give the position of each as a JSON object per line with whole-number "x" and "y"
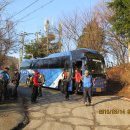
{"x": 115, "y": 44}
{"x": 7, "y": 34}
{"x": 80, "y": 30}
{"x": 72, "y": 29}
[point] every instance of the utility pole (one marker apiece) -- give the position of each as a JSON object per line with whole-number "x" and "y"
{"x": 22, "y": 41}
{"x": 47, "y": 32}
{"x": 22, "y": 37}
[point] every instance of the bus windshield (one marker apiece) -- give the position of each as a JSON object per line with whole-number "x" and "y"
{"x": 95, "y": 63}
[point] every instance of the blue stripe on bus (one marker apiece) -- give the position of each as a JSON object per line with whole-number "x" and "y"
{"x": 50, "y": 75}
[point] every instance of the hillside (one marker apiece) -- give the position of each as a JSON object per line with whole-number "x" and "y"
{"x": 119, "y": 80}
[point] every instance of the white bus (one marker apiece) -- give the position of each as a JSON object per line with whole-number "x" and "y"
{"x": 53, "y": 65}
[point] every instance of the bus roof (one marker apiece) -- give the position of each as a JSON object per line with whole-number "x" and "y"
{"x": 75, "y": 53}
{"x": 86, "y": 50}
{"x": 60, "y": 54}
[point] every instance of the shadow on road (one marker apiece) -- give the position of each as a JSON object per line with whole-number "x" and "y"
{"x": 10, "y": 106}
{"x": 49, "y": 96}
{"x": 54, "y": 96}
{"x": 113, "y": 87}
{"x": 107, "y": 100}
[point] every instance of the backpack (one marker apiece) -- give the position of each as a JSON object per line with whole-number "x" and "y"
{"x": 4, "y": 77}
{"x": 30, "y": 81}
{"x": 41, "y": 79}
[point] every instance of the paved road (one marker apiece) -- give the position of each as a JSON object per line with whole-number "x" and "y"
{"x": 12, "y": 112}
{"x": 53, "y": 113}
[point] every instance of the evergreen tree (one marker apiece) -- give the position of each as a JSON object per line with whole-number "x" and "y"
{"x": 38, "y": 49}
{"x": 121, "y": 17}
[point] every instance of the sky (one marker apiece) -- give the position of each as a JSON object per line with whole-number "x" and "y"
{"x": 53, "y": 11}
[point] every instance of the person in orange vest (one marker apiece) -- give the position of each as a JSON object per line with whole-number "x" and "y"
{"x": 77, "y": 78}
{"x": 64, "y": 74}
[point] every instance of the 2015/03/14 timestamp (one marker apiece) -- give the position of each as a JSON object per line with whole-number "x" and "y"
{"x": 114, "y": 111}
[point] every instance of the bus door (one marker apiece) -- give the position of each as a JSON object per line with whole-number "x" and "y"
{"x": 76, "y": 65}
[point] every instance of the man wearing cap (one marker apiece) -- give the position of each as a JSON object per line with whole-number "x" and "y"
{"x": 87, "y": 87}
{"x": 5, "y": 82}
{"x": 15, "y": 81}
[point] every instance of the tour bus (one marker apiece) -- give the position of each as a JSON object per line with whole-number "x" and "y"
{"x": 53, "y": 65}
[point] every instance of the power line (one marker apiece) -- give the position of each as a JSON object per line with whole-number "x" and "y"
{"x": 36, "y": 9}
{"x": 29, "y": 15}
{"x": 4, "y": 5}
{"x": 24, "y": 9}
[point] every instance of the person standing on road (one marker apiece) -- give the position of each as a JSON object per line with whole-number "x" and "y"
{"x": 5, "y": 81}
{"x": 15, "y": 81}
{"x": 87, "y": 87}
{"x": 66, "y": 84}
{"x": 77, "y": 80}
{"x": 35, "y": 87}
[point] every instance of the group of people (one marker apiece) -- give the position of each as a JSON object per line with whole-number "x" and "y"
{"x": 5, "y": 79}
{"x": 38, "y": 80}
{"x": 86, "y": 81}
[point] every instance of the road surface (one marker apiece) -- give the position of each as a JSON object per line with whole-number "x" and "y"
{"x": 52, "y": 112}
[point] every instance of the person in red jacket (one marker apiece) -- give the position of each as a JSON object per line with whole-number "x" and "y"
{"x": 36, "y": 84}
{"x": 77, "y": 80}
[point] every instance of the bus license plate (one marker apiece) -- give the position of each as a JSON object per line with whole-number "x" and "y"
{"x": 98, "y": 90}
